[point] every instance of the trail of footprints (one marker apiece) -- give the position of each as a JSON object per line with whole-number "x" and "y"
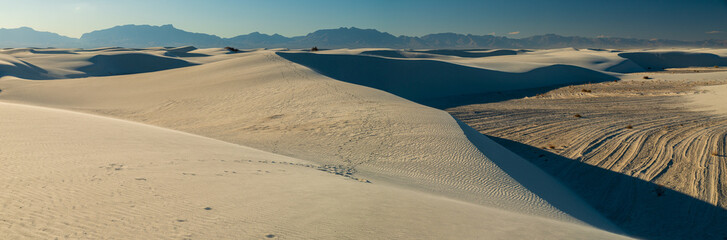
{"x": 340, "y": 170}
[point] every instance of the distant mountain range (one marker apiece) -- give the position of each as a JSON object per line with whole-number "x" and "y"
{"x": 25, "y": 37}
{"x": 137, "y": 36}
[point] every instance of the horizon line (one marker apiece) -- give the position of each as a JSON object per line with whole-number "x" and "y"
{"x": 354, "y": 27}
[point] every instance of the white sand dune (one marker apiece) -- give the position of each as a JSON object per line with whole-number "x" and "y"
{"x": 78, "y": 63}
{"x": 614, "y": 61}
{"x": 417, "y": 157}
{"x": 260, "y": 99}
{"x": 73, "y": 175}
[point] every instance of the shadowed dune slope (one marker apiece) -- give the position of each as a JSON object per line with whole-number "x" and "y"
{"x": 130, "y": 63}
{"x": 644, "y": 209}
{"x": 438, "y": 53}
{"x": 52, "y": 51}
{"x": 11, "y": 66}
{"x": 183, "y": 52}
{"x": 396, "y": 54}
{"x": 45, "y": 64}
{"x": 420, "y": 80}
{"x": 661, "y": 60}
{"x": 474, "y": 53}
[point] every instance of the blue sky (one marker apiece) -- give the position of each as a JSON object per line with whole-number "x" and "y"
{"x": 666, "y": 19}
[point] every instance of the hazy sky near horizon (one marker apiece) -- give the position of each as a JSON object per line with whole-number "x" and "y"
{"x": 665, "y": 19}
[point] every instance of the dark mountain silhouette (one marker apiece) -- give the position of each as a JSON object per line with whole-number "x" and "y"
{"x": 169, "y": 36}
{"x": 256, "y": 39}
{"x": 453, "y": 40}
{"x": 148, "y": 36}
{"x": 348, "y": 37}
{"x": 28, "y": 37}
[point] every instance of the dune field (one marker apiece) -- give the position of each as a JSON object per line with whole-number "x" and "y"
{"x": 171, "y": 143}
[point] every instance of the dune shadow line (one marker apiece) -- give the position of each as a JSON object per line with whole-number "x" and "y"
{"x": 25, "y": 70}
{"x": 51, "y": 51}
{"x": 472, "y": 53}
{"x": 422, "y": 81}
{"x": 538, "y": 181}
{"x": 427, "y": 53}
{"x": 129, "y": 63}
{"x": 655, "y": 61}
{"x": 643, "y": 209}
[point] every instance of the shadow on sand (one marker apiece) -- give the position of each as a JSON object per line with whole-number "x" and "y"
{"x": 129, "y": 63}
{"x": 23, "y": 69}
{"x": 655, "y": 61}
{"x": 642, "y": 209}
{"x": 476, "y": 53}
{"x": 538, "y": 181}
{"x": 51, "y": 51}
{"x": 422, "y": 81}
{"x": 472, "y": 53}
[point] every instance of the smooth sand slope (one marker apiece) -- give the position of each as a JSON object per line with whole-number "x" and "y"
{"x": 713, "y": 98}
{"x": 73, "y": 175}
{"x": 262, "y": 100}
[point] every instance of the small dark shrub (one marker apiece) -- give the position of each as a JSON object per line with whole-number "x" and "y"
{"x": 647, "y": 77}
{"x": 314, "y": 49}
{"x": 586, "y": 90}
{"x": 659, "y": 191}
{"x": 629, "y": 127}
{"x": 231, "y": 49}
{"x": 578, "y": 116}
